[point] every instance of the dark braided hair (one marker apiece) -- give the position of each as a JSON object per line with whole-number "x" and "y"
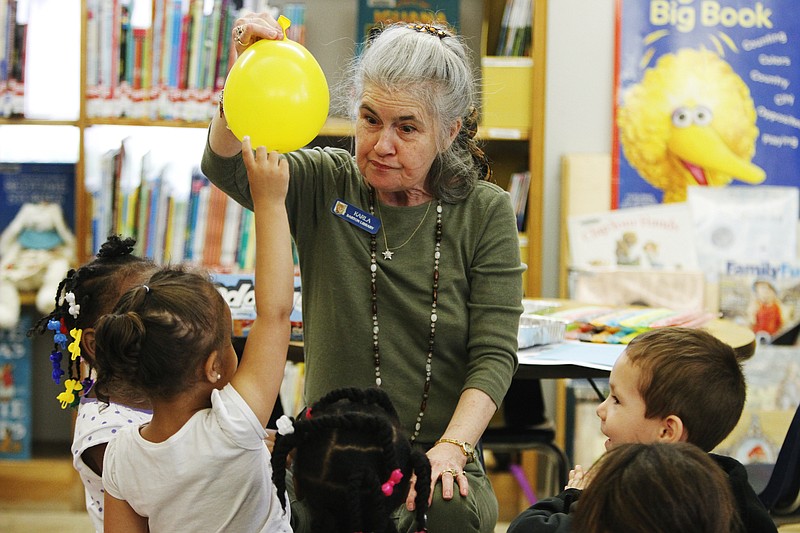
{"x": 96, "y": 286}
{"x": 347, "y": 446}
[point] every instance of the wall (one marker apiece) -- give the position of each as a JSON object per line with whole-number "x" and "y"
{"x": 580, "y": 82}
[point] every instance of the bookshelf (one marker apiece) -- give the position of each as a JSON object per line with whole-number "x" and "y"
{"x": 511, "y": 148}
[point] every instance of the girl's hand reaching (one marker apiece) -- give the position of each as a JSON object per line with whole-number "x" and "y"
{"x": 268, "y": 173}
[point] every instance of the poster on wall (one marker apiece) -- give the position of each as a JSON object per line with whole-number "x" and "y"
{"x": 704, "y": 96}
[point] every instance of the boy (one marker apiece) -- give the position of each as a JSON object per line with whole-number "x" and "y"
{"x": 669, "y": 385}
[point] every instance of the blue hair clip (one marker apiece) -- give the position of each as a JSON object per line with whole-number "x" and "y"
{"x": 55, "y": 359}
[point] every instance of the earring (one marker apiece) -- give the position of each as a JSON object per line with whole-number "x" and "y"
{"x": 219, "y": 377}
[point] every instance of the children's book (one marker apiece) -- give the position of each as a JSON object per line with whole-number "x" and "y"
{"x": 743, "y": 224}
{"x": 762, "y": 295}
{"x": 22, "y": 183}
{"x": 15, "y": 391}
{"x": 653, "y": 237}
{"x": 372, "y": 13}
{"x": 237, "y": 290}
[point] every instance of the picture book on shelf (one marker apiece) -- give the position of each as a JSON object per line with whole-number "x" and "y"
{"x": 743, "y": 224}
{"x": 653, "y": 237}
{"x": 762, "y": 295}
{"x": 238, "y": 292}
{"x": 372, "y": 13}
{"x": 15, "y": 391}
{"x": 22, "y": 183}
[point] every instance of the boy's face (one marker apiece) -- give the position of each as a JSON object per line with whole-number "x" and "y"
{"x": 621, "y": 415}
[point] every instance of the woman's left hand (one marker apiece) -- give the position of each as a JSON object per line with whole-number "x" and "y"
{"x": 447, "y": 466}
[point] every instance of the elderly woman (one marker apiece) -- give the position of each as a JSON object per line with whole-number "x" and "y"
{"x": 409, "y": 258}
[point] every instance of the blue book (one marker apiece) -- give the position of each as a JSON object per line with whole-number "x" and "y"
{"x": 22, "y": 183}
{"x": 15, "y": 391}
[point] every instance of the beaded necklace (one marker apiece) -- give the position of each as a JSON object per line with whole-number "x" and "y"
{"x": 373, "y": 267}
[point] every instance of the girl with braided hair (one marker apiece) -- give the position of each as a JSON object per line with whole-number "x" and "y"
{"x": 84, "y": 295}
{"x": 352, "y": 463}
{"x": 200, "y": 464}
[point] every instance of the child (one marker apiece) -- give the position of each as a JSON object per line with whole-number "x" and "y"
{"x": 669, "y": 385}
{"x": 353, "y": 463}
{"x": 84, "y": 295}
{"x": 657, "y": 488}
{"x": 201, "y": 464}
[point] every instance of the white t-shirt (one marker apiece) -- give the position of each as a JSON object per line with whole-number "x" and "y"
{"x": 96, "y": 424}
{"x": 214, "y": 474}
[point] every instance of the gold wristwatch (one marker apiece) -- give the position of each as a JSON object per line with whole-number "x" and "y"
{"x": 466, "y": 448}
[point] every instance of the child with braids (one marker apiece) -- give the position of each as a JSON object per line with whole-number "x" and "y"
{"x": 201, "y": 464}
{"x": 84, "y": 295}
{"x": 352, "y": 465}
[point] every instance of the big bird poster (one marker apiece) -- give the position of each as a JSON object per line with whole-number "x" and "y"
{"x": 705, "y": 95}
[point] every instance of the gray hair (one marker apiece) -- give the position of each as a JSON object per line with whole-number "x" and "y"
{"x": 432, "y": 65}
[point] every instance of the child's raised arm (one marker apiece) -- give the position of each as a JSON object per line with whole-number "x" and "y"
{"x": 260, "y": 372}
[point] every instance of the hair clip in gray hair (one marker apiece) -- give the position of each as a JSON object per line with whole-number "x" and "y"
{"x": 429, "y": 28}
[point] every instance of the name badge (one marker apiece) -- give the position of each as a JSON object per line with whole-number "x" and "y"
{"x": 355, "y": 216}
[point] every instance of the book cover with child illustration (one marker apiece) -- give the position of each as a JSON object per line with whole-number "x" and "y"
{"x": 763, "y": 295}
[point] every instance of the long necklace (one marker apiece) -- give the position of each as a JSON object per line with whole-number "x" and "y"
{"x": 387, "y": 253}
{"x": 373, "y": 267}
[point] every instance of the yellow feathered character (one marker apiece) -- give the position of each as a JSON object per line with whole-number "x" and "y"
{"x": 690, "y": 121}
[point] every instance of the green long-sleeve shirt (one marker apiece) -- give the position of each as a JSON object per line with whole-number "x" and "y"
{"x": 479, "y": 297}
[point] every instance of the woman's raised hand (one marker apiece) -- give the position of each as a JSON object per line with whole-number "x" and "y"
{"x": 253, "y": 27}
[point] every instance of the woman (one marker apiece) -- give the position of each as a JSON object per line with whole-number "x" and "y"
{"x": 409, "y": 260}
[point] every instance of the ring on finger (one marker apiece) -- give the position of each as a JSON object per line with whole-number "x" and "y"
{"x": 238, "y": 37}
{"x": 452, "y": 471}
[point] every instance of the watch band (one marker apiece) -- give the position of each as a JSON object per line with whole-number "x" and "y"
{"x": 466, "y": 448}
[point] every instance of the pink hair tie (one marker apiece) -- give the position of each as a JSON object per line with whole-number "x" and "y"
{"x": 394, "y": 478}
{"x": 308, "y": 414}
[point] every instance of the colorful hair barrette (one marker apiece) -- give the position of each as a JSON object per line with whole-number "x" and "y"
{"x": 394, "y": 478}
{"x": 55, "y": 359}
{"x": 285, "y": 425}
{"x": 74, "y": 309}
{"x": 69, "y": 396}
{"x": 75, "y": 346}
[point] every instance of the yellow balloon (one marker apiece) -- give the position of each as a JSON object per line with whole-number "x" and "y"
{"x": 277, "y": 94}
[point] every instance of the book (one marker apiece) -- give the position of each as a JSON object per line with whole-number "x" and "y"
{"x": 16, "y": 399}
{"x": 744, "y": 224}
{"x": 515, "y": 29}
{"x": 654, "y": 237}
{"x": 214, "y": 227}
{"x": 237, "y": 291}
{"x": 518, "y": 187}
{"x": 761, "y": 295}
{"x": 22, "y": 183}
{"x": 374, "y": 13}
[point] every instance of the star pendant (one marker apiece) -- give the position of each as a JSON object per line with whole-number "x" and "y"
{"x": 387, "y": 254}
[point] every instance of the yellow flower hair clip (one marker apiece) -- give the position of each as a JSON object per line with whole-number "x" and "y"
{"x": 75, "y": 346}
{"x": 68, "y": 397}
